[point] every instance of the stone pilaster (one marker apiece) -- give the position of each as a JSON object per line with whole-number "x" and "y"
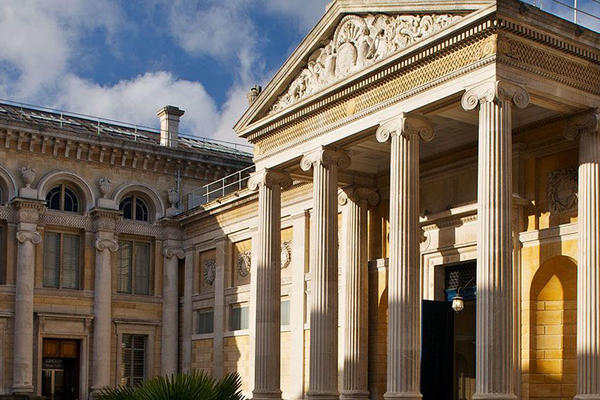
{"x": 356, "y": 328}
{"x": 104, "y": 221}
{"x": 323, "y": 373}
{"x": 267, "y": 358}
{"x": 188, "y": 288}
{"x": 28, "y": 212}
{"x": 222, "y": 263}
{"x": 494, "y": 326}
{"x": 587, "y": 127}
{"x": 404, "y": 299}
{"x": 172, "y": 253}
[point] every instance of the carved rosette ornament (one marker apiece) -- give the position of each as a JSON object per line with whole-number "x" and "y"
{"x": 244, "y": 262}
{"x": 29, "y": 236}
{"x": 107, "y": 244}
{"x": 495, "y": 91}
{"x": 173, "y": 251}
{"x": 562, "y": 190}
{"x": 407, "y": 125}
{"x": 286, "y": 254}
{"x": 209, "y": 271}
{"x": 359, "y": 42}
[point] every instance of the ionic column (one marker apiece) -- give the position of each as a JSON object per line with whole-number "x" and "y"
{"x": 587, "y": 127}
{"x": 323, "y": 374}
{"x": 494, "y": 326}
{"x": 27, "y": 239}
{"x": 356, "y": 329}
{"x": 105, "y": 245}
{"x": 170, "y": 311}
{"x": 404, "y": 294}
{"x": 268, "y": 283}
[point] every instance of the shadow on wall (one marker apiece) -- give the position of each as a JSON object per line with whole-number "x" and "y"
{"x": 553, "y": 330}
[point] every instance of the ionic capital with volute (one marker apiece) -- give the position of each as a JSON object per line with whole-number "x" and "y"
{"x": 495, "y": 91}
{"x": 587, "y": 122}
{"x": 324, "y": 156}
{"x": 360, "y": 195}
{"x": 174, "y": 251}
{"x": 103, "y": 244}
{"x": 29, "y": 236}
{"x": 407, "y": 125}
{"x": 268, "y": 177}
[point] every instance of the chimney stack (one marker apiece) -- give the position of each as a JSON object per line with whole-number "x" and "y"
{"x": 169, "y": 125}
{"x": 253, "y": 94}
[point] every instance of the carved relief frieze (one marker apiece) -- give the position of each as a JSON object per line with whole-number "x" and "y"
{"x": 209, "y": 271}
{"x": 358, "y": 42}
{"x": 286, "y": 254}
{"x": 244, "y": 262}
{"x": 562, "y": 190}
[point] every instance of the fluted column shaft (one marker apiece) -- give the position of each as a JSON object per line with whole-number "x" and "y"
{"x": 267, "y": 340}
{"x": 404, "y": 305}
{"x": 105, "y": 245}
{"x": 356, "y": 328}
{"x": 27, "y": 239}
{"x": 170, "y": 310}
{"x": 494, "y": 319}
{"x": 588, "y": 279}
{"x": 323, "y": 373}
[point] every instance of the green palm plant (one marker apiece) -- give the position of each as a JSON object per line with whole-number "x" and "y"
{"x": 193, "y": 386}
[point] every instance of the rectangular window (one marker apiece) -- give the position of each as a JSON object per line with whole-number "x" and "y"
{"x": 205, "y": 321}
{"x": 238, "y": 318}
{"x": 285, "y": 313}
{"x": 61, "y": 260}
{"x": 134, "y": 267}
{"x": 133, "y": 359}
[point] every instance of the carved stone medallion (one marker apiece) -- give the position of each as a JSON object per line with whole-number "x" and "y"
{"x": 562, "y": 190}
{"x": 244, "y": 262}
{"x": 209, "y": 271}
{"x": 286, "y": 254}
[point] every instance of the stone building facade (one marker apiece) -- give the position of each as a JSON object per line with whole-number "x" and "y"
{"x": 422, "y": 222}
{"x": 89, "y": 262}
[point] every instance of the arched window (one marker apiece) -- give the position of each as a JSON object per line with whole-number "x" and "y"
{"x": 134, "y": 208}
{"x": 62, "y": 198}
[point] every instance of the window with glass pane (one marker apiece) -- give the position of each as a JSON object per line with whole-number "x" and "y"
{"x": 133, "y": 359}
{"x": 62, "y": 198}
{"x": 285, "y": 312}
{"x": 134, "y": 208}
{"x": 134, "y": 267}
{"x": 61, "y": 260}
{"x": 205, "y": 321}
{"x": 239, "y": 318}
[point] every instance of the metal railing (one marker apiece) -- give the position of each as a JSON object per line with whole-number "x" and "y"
{"x": 134, "y": 131}
{"x": 217, "y": 189}
{"x": 582, "y": 12}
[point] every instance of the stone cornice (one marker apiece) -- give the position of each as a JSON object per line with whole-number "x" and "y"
{"x": 23, "y": 137}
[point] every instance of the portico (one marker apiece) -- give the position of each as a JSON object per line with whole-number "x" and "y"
{"x": 461, "y": 93}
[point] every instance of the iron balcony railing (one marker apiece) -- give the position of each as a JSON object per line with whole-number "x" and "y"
{"x": 217, "y": 189}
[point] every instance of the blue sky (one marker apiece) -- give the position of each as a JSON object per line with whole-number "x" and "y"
{"x": 125, "y": 59}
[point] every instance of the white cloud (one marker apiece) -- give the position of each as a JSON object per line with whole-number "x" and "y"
{"x": 137, "y": 100}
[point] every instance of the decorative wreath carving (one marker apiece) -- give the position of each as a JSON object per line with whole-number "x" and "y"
{"x": 286, "y": 254}
{"x": 562, "y": 190}
{"x": 244, "y": 262}
{"x": 209, "y": 271}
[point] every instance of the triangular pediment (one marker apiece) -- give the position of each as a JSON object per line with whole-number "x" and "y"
{"x": 352, "y": 36}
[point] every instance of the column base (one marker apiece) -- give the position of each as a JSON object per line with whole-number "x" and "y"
{"x": 264, "y": 395}
{"x": 402, "y": 395}
{"x": 322, "y": 396}
{"x": 26, "y": 390}
{"x": 354, "y": 395}
{"x": 587, "y": 397}
{"x": 494, "y": 396}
